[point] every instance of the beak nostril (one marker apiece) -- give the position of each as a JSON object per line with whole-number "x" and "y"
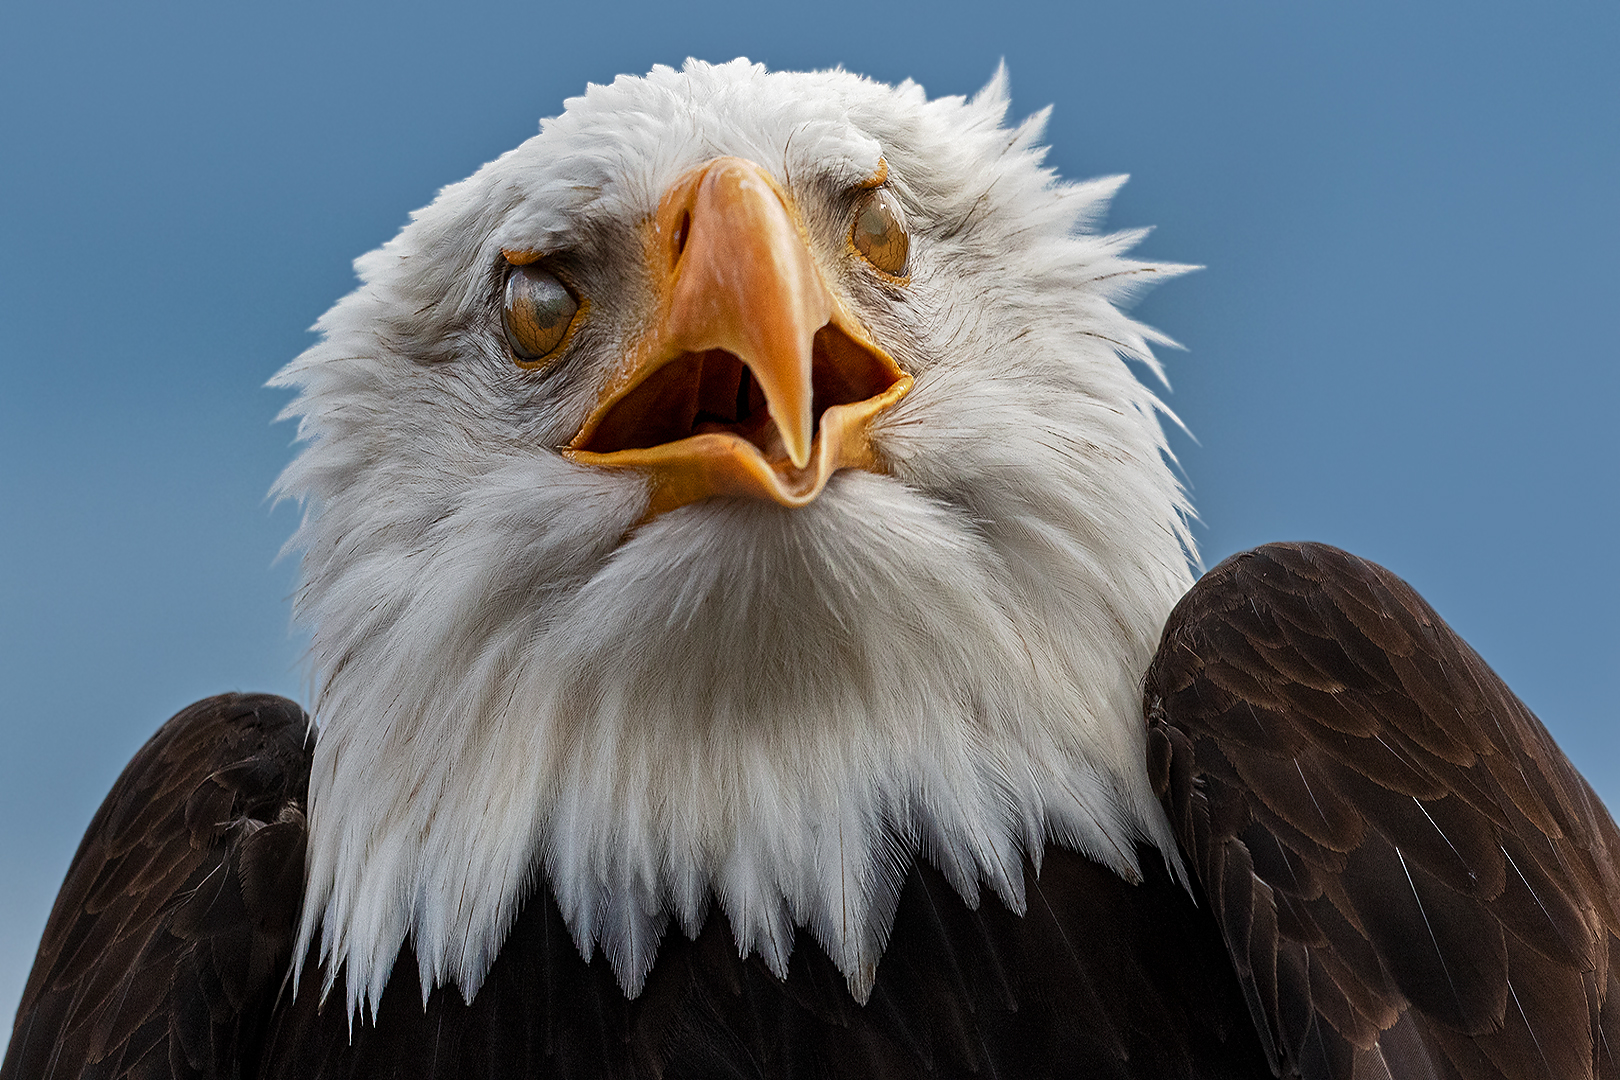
{"x": 683, "y": 228}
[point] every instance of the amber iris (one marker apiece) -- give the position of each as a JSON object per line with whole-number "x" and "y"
{"x": 539, "y": 310}
{"x": 878, "y": 235}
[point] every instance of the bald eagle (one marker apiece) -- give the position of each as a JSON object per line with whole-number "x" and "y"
{"x": 753, "y": 635}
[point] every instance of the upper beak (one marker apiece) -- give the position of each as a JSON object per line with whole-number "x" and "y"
{"x": 752, "y": 379}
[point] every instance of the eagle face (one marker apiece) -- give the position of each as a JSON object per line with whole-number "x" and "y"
{"x": 729, "y": 495}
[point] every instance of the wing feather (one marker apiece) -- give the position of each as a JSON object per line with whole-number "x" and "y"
{"x": 171, "y": 933}
{"x": 1411, "y": 878}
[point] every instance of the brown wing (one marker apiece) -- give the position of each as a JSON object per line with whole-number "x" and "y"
{"x": 171, "y": 934}
{"x": 1412, "y": 879}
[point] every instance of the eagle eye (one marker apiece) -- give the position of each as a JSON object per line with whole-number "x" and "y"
{"x": 878, "y": 235}
{"x": 539, "y": 312}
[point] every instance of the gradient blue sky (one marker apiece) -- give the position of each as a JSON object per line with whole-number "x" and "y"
{"x": 1402, "y": 343}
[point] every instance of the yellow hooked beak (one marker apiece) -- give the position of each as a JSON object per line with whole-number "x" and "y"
{"x": 752, "y": 378}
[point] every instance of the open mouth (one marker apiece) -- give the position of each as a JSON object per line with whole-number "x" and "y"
{"x": 714, "y": 393}
{"x": 701, "y": 424}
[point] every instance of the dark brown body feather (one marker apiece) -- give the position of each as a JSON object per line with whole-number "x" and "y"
{"x": 1100, "y": 979}
{"x": 1411, "y": 877}
{"x": 172, "y": 932}
{"x": 182, "y": 968}
{"x": 1405, "y": 869}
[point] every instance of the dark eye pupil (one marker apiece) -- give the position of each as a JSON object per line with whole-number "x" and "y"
{"x": 539, "y": 309}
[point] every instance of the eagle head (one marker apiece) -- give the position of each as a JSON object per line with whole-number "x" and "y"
{"x": 733, "y": 493}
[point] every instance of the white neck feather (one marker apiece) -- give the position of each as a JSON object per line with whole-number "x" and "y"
{"x": 776, "y": 710}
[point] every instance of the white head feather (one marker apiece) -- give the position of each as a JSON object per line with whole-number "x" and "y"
{"x": 777, "y": 709}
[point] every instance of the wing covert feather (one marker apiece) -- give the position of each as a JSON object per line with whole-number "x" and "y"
{"x": 1411, "y": 877}
{"x": 172, "y": 931}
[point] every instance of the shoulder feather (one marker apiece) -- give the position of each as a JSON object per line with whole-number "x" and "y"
{"x": 1411, "y": 877}
{"x": 172, "y": 931}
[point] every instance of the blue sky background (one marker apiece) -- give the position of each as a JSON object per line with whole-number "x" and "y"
{"x": 1403, "y": 342}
